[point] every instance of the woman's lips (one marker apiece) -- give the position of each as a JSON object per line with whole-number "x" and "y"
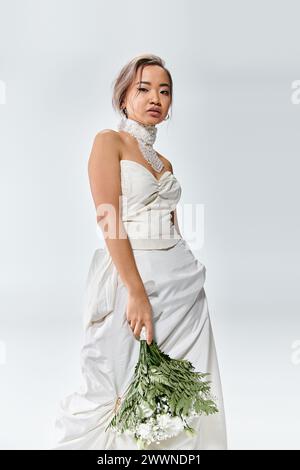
{"x": 155, "y": 113}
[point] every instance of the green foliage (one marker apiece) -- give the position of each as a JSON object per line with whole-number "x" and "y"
{"x": 161, "y": 383}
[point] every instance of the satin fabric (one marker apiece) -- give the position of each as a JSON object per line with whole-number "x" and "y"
{"x": 147, "y": 204}
{"x": 174, "y": 281}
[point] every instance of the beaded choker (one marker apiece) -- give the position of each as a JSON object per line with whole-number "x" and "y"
{"x": 145, "y": 135}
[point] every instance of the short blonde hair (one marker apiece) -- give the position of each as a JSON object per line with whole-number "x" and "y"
{"x": 127, "y": 74}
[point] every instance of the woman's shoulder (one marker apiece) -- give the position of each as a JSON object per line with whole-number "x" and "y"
{"x": 107, "y": 137}
{"x": 107, "y": 134}
{"x": 106, "y": 144}
{"x": 113, "y": 138}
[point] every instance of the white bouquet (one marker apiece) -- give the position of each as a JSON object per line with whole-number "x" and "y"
{"x": 163, "y": 398}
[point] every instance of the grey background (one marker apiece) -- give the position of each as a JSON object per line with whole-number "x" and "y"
{"x": 233, "y": 141}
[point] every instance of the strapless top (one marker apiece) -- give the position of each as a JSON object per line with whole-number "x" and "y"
{"x": 146, "y": 205}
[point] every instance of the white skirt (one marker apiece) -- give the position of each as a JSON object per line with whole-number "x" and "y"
{"x": 174, "y": 280}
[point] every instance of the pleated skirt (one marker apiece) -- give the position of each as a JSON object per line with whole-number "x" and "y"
{"x": 174, "y": 280}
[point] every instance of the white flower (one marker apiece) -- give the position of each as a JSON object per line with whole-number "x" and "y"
{"x": 170, "y": 425}
{"x": 177, "y": 424}
{"x": 144, "y": 430}
{"x": 163, "y": 420}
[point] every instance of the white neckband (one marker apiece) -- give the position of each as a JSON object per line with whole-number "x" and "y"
{"x": 145, "y": 135}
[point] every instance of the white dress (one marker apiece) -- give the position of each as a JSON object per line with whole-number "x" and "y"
{"x": 173, "y": 279}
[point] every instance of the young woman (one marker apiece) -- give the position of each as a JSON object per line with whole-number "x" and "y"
{"x": 146, "y": 276}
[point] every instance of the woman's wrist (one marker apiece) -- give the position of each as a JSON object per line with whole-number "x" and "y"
{"x": 136, "y": 289}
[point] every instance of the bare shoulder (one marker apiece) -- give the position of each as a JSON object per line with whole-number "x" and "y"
{"x": 166, "y": 162}
{"x": 107, "y": 136}
{"x": 106, "y": 144}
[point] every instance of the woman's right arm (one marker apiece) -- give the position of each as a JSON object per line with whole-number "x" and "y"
{"x": 105, "y": 184}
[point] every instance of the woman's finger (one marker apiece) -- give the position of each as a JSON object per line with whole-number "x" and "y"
{"x": 131, "y": 324}
{"x": 149, "y": 332}
{"x": 137, "y": 329}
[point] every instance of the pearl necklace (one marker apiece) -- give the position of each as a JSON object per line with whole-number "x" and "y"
{"x": 145, "y": 135}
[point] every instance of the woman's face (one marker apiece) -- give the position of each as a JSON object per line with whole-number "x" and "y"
{"x": 151, "y": 90}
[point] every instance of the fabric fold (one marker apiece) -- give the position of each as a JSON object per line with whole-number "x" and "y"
{"x": 101, "y": 287}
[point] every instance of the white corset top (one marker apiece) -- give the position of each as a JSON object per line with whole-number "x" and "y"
{"x": 146, "y": 206}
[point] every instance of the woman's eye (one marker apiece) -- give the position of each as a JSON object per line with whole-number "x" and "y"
{"x": 145, "y": 89}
